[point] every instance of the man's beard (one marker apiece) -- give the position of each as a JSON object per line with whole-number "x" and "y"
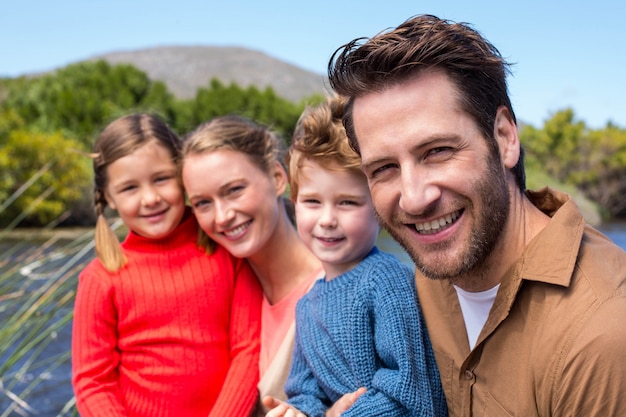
{"x": 493, "y": 213}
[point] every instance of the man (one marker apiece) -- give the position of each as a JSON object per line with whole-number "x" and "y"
{"x": 524, "y": 302}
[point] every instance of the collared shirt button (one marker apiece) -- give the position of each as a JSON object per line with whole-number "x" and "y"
{"x": 469, "y": 374}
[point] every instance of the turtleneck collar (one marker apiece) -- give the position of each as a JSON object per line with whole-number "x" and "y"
{"x": 184, "y": 234}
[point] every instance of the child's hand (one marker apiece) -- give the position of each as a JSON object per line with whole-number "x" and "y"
{"x": 344, "y": 403}
{"x": 280, "y": 408}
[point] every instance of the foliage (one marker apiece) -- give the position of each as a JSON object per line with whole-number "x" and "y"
{"x": 76, "y": 102}
{"x": 55, "y": 161}
{"x": 536, "y": 179}
{"x": 593, "y": 161}
{"x": 602, "y": 175}
{"x": 263, "y": 106}
{"x": 9, "y": 121}
{"x": 81, "y": 98}
{"x": 557, "y": 144}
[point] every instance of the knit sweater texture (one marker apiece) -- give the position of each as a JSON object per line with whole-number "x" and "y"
{"x": 365, "y": 329}
{"x": 173, "y": 333}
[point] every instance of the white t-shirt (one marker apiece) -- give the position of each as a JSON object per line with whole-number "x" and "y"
{"x": 475, "y": 307}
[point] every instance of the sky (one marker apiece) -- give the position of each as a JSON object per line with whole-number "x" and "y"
{"x": 565, "y": 54}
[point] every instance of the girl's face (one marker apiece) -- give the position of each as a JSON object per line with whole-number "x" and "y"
{"x": 145, "y": 191}
{"x": 236, "y": 203}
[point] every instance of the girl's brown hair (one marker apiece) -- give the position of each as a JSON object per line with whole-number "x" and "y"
{"x": 119, "y": 139}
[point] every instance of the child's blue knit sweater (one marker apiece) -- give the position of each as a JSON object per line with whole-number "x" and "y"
{"x": 365, "y": 329}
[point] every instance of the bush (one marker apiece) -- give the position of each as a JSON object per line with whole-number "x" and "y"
{"x": 48, "y": 171}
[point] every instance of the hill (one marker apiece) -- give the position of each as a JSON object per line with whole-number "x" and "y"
{"x": 185, "y": 68}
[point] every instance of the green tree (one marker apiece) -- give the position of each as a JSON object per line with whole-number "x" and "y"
{"x": 557, "y": 146}
{"x": 81, "y": 98}
{"x": 602, "y": 175}
{"x": 593, "y": 161}
{"x": 48, "y": 173}
{"x": 264, "y": 106}
{"x": 9, "y": 121}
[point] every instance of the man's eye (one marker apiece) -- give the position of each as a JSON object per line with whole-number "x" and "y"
{"x": 439, "y": 151}
{"x": 380, "y": 170}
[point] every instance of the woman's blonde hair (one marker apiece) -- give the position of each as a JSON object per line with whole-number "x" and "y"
{"x": 239, "y": 134}
{"x": 262, "y": 146}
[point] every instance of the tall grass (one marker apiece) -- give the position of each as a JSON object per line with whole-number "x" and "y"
{"x": 37, "y": 287}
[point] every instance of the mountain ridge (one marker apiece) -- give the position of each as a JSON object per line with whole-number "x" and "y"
{"x": 195, "y": 66}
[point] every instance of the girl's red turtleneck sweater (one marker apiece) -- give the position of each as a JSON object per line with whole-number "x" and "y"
{"x": 173, "y": 333}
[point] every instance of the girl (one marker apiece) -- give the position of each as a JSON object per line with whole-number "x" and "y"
{"x": 162, "y": 326}
{"x": 242, "y": 209}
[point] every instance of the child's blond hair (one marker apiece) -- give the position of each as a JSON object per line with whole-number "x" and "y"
{"x": 319, "y": 136}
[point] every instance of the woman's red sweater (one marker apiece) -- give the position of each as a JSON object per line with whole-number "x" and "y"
{"x": 173, "y": 333}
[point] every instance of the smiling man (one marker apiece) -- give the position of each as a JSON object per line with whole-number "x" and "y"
{"x": 524, "y": 301}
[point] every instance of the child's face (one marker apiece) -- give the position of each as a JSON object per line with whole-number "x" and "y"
{"x": 335, "y": 217}
{"x": 145, "y": 191}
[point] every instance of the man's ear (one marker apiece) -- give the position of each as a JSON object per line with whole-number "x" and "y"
{"x": 280, "y": 178}
{"x": 505, "y": 132}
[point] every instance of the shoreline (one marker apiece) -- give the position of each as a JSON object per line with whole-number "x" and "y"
{"x": 38, "y": 234}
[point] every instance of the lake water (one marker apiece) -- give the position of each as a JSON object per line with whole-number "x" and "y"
{"x": 617, "y": 232}
{"x": 49, "y": 397}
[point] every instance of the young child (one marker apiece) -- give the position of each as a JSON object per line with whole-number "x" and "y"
{"x": 361, "y": 326}
{"x": 162, "y": 326}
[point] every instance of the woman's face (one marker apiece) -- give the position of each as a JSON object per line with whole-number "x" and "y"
{"x": 236, "y": 202}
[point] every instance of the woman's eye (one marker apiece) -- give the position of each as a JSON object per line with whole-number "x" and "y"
{"x": 235, "y": 189}
{"x": 201, "y": 204}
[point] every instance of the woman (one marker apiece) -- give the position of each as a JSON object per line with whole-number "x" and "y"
{"x": 234, "y": 177}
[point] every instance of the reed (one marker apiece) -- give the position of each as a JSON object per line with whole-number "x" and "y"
{"x": 38, "y": 276}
